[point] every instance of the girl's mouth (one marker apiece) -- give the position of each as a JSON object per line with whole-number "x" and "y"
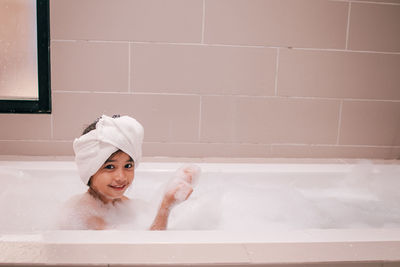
{"x": 118, "y": 187}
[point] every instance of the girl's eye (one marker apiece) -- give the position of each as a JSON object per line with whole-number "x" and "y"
{"x": 109, "y": 167}
{"x": 129, "y": 165}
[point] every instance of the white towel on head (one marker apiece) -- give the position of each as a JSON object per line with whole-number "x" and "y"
{"x": 111, "y": 134}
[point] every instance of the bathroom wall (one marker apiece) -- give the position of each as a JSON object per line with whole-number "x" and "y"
{"x": 223, "y": 78}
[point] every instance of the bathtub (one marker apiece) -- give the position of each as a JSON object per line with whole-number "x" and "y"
{"x": 355, "y": 231}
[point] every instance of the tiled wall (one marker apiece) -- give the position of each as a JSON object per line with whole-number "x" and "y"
{"x": 224, "y": 78}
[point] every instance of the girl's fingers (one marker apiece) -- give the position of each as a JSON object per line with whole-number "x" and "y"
{"x": 190, "y": 192}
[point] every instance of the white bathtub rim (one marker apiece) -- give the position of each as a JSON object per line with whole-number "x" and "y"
{"x": 205, "y": 237}
{"x": 201, "y": 247}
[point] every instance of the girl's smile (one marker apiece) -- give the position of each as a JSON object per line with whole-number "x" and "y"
{"x": 117, "y": 187}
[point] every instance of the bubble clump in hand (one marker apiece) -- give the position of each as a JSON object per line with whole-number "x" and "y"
{"x": 181, "y": 184}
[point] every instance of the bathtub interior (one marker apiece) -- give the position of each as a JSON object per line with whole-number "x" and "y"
{"x": 239, "y": 197}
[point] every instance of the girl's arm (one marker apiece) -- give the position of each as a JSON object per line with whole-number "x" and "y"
{"x": 161, "y": 220}
{"x": 178, "y": 190}
{"x": 171, "y": 198}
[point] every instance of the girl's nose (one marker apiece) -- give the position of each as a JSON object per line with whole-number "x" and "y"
{"x": 120, "y": 176}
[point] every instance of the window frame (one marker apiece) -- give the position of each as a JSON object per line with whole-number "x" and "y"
{"x": 43, "y": 103}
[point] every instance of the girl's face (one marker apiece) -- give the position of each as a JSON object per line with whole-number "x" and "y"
{"x": 114, "y": 176}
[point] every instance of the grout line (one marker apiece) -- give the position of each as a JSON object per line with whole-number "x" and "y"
{"x": 106, "y": 41}
{"x": 205, "y": 44}
{"x": 64, "y": 40}
{"x": 129, "y": 68}
{"x": 271, "y": 144}
{"x": 234, "y": 95}
{"x": 339, "y": 122}
{"x": 276, "y": 71}
{"x": 92, "y": 92}
{"x": 203, "y": 22}
{"x": 200, "y": 117}
{"x": 369, "y": 2}
{"x": 344, "y": 50}
{"x": 348, "y": 27}
{"x": 242, "y": 46}
{"x": 332, "y": 145}
{"x": 36, "y": 140}
{"x": 214, "y": 143}
{"x": 370, "y": 100}
{"x": 52, "y": 127}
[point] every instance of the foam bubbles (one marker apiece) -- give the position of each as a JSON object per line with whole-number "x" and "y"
{"x": 182, "y": 182}
{"x": 366, "y": 196}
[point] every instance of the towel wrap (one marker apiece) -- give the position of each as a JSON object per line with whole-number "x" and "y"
{"x": 111, "y": 134}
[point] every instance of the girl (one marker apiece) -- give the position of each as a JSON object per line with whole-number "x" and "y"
{"x": 107, "y": 154}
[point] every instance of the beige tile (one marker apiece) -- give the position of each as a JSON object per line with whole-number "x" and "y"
{"x": 298, "y": 23}
{"x": 352, "y": 152}
{"x": 291, "y": 151}
{"x": 268, "y": 120}
{"x": 74, "y": 111}
{"x": 250, "y": 160}
{"x": 379, "y": 1}
{"x": 25, "y": 126}
{"x": 370, "y": 123}
{"x": 374, "y": 27}
{"x": 168, "y": 118}
{"x": 90, "y": 66}
{"x": 36, "y": 148}
{"x": 203, "y": 69}
{"x": 338, "y": 74}
{"x": 164, "y": 117}
{"x": 134, "y": 20}
{"x": 201, "y": 150}
{"x": 219, "y": 117}
{"x": 321, "y": 151}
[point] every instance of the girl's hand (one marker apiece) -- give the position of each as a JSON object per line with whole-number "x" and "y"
{"x": 181, "y": 186}
{"x": 178, "y": 190}
{"x": 177, "y": 193}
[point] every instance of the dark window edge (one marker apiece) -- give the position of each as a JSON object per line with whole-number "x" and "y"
{"x": 43, "y": 104}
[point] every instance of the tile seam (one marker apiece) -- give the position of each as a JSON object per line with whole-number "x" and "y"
{"x": 270, "y": 144}
{"x": 52, "y": 126}
{"x": 348, "y": 26}
{"x": 129, "y": 68}
{"x": 339, "y": 122}
{"x": 200, "y": 118}
{"x": 346, "y": 51}
{"x": 335, "y": 145}
{"x": 230, "y": 95}
{"x": 373, "y": 3}
{"x": 240, "y": 46}
{"x": 203, "y": 22}
{"x": 36, "y": 140}
{"x": 277, "y": 71}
